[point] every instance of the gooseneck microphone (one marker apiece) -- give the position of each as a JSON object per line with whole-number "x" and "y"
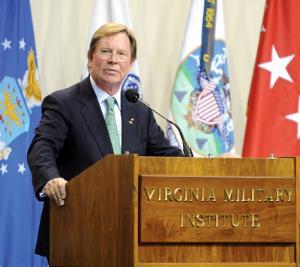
{"x": 133, "y": 96}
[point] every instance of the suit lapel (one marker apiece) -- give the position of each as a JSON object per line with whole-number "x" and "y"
{"x": 128, "y": 125}
{"x": 92, "y": 114}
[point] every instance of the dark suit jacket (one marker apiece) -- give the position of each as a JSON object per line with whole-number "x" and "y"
{"x": 72, "y": 135}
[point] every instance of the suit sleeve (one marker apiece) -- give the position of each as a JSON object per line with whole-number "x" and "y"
{"x": 157, "y": 143}
{"x": 48, "y": 140}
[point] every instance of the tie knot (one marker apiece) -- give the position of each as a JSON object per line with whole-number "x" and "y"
{"x": 110, "y": 102}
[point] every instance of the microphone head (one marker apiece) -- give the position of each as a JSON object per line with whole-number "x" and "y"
{"x": 132, "y": 95}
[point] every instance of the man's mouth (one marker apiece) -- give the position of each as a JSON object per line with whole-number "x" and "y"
{"x": 110, "y": 71}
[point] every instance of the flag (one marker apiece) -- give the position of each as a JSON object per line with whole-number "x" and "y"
{"x": 200, "y": 102}
{"x": 273, "y": 124}
{"x": 20, "y": 99}
{"x": 114, "y": 11}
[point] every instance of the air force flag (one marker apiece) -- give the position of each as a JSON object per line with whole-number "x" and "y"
{"x": 20, "y": 99}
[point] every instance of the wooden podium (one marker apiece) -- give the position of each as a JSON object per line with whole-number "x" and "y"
{"x": 131, "y": 211}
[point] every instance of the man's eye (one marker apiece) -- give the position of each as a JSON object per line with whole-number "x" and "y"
{"x": 121, "y": 53}
{"x": 104, "y": 51}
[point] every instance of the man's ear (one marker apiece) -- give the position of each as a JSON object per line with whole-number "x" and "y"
{"x": 131, "y": 64}
{"x": 90, "y": 63}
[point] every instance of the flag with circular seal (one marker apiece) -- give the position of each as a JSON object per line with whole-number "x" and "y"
{"x": 200, "y": 102}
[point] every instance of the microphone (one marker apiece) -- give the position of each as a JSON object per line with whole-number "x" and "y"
{"x": 133, "y": 96}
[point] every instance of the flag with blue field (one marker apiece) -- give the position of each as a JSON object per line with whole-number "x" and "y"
{"x": 20, "y": 100}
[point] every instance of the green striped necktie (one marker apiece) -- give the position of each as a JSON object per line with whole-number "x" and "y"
{"x": 111, "y": 125}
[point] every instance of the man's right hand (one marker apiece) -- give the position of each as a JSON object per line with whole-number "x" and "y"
{"x": 55, "y": 189}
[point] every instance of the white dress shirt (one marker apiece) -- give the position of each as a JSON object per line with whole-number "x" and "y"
{"x": 101, "y": 97}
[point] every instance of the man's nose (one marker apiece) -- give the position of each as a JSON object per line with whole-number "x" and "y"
{"x": 113, "y": 58}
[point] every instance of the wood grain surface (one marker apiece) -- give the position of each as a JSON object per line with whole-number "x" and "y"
{"x": 203, "y": 254}
{"x": 107, "y": 220}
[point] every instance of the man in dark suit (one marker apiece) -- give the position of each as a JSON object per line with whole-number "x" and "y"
{"x": 75, "y": 132}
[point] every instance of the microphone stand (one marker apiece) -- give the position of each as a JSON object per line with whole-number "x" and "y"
{"x": 186, "y": 149}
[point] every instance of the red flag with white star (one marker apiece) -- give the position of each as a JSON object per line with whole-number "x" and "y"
{"x": 273, "y": 125}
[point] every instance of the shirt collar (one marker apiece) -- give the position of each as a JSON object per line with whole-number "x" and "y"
{"x": 102, "y": 95}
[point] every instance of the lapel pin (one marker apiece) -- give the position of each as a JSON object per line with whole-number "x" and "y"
{"x": 131, "y": 121}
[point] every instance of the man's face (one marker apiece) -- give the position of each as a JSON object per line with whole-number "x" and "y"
{"x": 111, "y": 61}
